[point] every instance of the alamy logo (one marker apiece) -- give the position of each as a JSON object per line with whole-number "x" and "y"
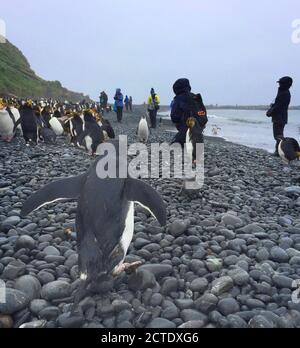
{"x": 2, "y": 292}
{"x": 296, "y": 32}
{"x": 2, "y": 31}
{"x": 156, "y": 161}
{"x": 296, "y": 293}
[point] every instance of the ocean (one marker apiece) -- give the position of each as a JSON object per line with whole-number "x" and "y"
{"x": 247, "y": 127}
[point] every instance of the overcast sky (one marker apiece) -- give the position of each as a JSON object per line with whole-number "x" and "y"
{"x": 232, "y": 51}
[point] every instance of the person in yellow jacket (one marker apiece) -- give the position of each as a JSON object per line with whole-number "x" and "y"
{"x": 153, "y": 107}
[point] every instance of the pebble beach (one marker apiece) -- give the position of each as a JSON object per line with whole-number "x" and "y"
{"x": 229, "y": 256}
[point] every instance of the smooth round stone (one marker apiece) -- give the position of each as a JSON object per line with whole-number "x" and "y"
{"x": 222, "y": 285}
{"x": 281, "y": 281}
{"x": 14, "y": 269}
{"x": 279, "y": 255}
{"x": 51, "y": 250}
{"x": 67, "y": 321}
{"x": 37, "y": 305}
{"x": 45, "y": 277}
{"x": 56, "y": 290}
{"x": 156, "y": 300}
{"x": 177, "y": 228}
{"x": 260, "y": 322}
{"x": 170, "y": 313}
{"x": 49, "y": 313}
{"x": 29, "y": 285}
{"x": 25, "y": 242}
{"x": 228, "y": 306}
{"x": 206, "y": 303}
{"x": 199, "y": 285}
{"x": 230, "y": 220}
{"x": 192, "y": 315}
{"x": 239, "y": 276}
{"x": 169, "y": 285}
{"x": 15, "y": 301}
{"x": 262, "y": 255}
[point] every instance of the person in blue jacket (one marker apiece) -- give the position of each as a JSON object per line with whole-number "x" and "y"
{"x": 126, "y": 102}
{"x": 118, "y": 107}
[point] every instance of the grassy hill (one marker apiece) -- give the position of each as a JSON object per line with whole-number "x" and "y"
{"x": 17, "y": 78}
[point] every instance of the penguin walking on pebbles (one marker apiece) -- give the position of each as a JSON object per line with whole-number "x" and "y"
{"x": 194, "y": 136}
{"x": 105, "y": 217}
{"x": 289, "y": 150}
{"x": 143, "y": 130}
{"x": 92, "y": 134}
{"x": 76, "y": 128}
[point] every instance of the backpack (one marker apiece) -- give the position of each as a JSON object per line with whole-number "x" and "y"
{"x": 197, "y": 110}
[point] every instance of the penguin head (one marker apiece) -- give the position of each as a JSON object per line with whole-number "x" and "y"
{"x": 2, "y": 104}
{"x": 190, "y": 123}
{"x": 29, "y": 103}
{"x": 88, "y": 116}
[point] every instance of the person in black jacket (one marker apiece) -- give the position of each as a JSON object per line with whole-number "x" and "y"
{"x": 279, "y": 110}
{"x": 185, "y": 105}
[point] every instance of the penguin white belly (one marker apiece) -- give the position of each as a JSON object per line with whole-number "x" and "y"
{"x": 56, "y": 126}
{"x": 281, "y": 153}
{"x": 6, "y": 125}
{"x": 88, "y": 143}
{"x": 189, "y": 145}
{"x": 143, "y": 131}
{"x": 127, "y": 233}
{"x": 17, "y": 116}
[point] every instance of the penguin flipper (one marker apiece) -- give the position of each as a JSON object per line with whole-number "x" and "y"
{"x": 69, "y": 188}
{"x": 143, "y": 194}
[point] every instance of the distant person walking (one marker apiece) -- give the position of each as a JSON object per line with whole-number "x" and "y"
{"x": 130, "y": 103}
{"x": 126, "y": 101}
{"x": 153, "y": 107}
{"x": 118, "y": 107}
{"x": 103, "y": 100}
{"x": 279, "y": 110}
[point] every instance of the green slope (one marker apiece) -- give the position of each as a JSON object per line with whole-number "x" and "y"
{"x": 17, "y": 78}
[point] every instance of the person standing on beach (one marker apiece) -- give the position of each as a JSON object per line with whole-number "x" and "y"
{"x": 103, "y": 100}
{"x": 130, "y": 103}
{"x": 118, "y": 107}
{"x": 184, "y": 106}
{"x": 153, "y": 107}
{"x": 279, "y": 110}
{"x": 126, "y": 101}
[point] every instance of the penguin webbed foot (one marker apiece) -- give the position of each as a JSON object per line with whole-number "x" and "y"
{"x": 127, "y": 267}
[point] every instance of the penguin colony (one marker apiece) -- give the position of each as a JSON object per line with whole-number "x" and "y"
{"x": 44, "y": 120}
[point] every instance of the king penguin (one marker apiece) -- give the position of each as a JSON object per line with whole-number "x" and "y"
{"x": 105, "y": 216}
{"x": 289, "y": 150}
{"x": 143, "y": 130}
